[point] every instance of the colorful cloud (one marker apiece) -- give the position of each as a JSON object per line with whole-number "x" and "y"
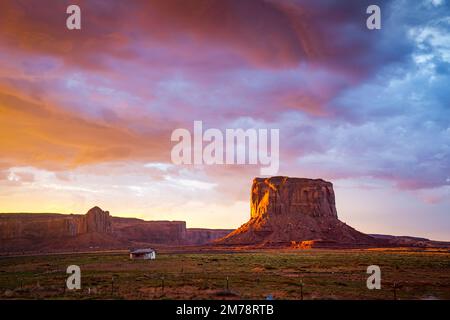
{"x": 86, "y": 115}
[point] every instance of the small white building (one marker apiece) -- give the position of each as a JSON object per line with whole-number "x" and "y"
{"x": 144, "y": 254}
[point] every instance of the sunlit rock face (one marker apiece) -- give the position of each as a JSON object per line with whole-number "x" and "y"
{"x": 292, "y": 196}
{"x": 284, "y": 210}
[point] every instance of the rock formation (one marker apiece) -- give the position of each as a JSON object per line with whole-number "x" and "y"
{"x": 291, "y": 210}
{"x": 157, "y": 232}
{"x": 31, "y": 232}
{"x": 97, "y": 220}
{"x": 285, "y": 211}
{"x": 204, "y": 236}
{"x": 164, "y": 232}
{"x": 39, "y": 226}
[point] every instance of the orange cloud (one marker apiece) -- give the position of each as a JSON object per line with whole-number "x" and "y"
{"x": 42, "y": 135}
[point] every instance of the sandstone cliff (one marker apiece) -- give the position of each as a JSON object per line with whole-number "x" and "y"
{"x": 204, "y": 236}
{"x": 291, "y": 210}
{"x": 97, "y": 220}
{"x": 157, "y": 232}
{"x": 26, "y": 232}
{"x": 31, "y": 225}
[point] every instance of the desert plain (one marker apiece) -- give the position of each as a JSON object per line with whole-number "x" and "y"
{"x": 208, "y": 273}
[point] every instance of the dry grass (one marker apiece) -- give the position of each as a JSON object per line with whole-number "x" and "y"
{"x": 326, "y": 274}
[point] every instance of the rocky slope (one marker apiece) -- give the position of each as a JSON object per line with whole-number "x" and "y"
{"x": 292, "y": 210}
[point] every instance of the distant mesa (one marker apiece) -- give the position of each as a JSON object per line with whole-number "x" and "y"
{"x": 53, "y": 232}
{"x": 51, "y": 225}
{"x": 285, "y": 212}
{"x": 289, "y": 211}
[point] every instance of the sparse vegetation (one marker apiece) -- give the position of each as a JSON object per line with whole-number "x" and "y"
{"x": 315, "y": 274}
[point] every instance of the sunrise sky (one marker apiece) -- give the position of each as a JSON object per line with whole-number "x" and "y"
{"x": 86, "y": 115}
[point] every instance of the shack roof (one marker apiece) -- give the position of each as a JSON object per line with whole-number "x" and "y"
{"x": 148, "y": 250}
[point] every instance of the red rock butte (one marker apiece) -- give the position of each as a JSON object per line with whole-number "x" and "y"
{"x": 291, "y": 211}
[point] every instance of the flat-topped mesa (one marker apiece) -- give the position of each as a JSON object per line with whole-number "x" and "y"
{"x": 292, "y": 196}
{"x": 32, "y": 232}
{"x": 290, "y": 210}
{"x": 51, "y": 226}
